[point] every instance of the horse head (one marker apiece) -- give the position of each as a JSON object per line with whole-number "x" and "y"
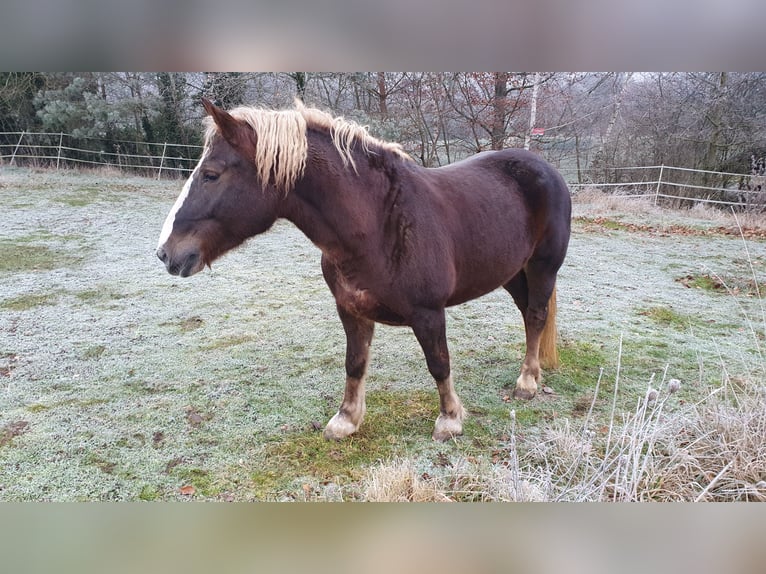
{"x": 224, "y": 201}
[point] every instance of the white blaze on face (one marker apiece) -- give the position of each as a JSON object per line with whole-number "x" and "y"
{"x": 167, "y": 228}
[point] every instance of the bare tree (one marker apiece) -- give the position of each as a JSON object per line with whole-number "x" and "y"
{"x": 227, "y": 89}
{"x": 491, "y": 105}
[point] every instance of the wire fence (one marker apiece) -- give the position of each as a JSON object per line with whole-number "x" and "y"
{"x": 669, "y": 185}
{"x": 675, "y": 186}
{"x": 58, "y": 150}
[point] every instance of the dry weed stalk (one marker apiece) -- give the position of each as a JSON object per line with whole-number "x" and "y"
{"x": 661, "y": 451}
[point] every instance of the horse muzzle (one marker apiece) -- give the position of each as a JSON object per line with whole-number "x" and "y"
{"x": 184, "y": 265}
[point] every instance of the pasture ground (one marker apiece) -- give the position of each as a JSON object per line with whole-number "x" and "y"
{"x": 121, "y": 382}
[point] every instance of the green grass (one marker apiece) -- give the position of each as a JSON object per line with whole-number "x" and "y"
{"x": 37, "y": 408}
{"x": 99, "y": 295}
{"x": 667, "y": 317}
{"x": 226, "y": 342}
{"x": 83, "y": 404}
{"x": 34, "y": 252}
{"x": 201, "y": 479}
{"x": 703, "y": 282}
{"x": 32, "y": 300}
{"x": 580, "y": 363}
{"x": 85, "y": 196}
{"x": 26, "y": 302}
{"x": 17, "y": 257}
{"x": 149, "y": 492}
{"x": 394, "y": 422}
{"x": 397, "y": 423}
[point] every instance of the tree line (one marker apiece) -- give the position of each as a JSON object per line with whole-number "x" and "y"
{"x": 584, "y": 121}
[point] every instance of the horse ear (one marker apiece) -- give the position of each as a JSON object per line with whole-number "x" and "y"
{"x": 230, "y": 128}
{"x": 209, "y": 106}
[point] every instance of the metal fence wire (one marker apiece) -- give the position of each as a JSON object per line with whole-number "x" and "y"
{"x": 57, "y": 150}
{"x": 674, "y": 186}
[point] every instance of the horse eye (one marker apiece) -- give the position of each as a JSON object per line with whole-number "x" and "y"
{"x": 209, "y": 176}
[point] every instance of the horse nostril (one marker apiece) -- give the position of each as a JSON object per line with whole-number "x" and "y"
{"x": 162, "y": 255}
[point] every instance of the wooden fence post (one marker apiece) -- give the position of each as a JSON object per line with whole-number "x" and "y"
{"x": 13, "y": 155}
{"x": 162, "y": 160}
{"x": 659, "y": 183}
{"x": 58, "y": 157}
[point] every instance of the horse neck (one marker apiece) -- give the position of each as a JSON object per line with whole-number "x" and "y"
{"x": 331, "y": 203}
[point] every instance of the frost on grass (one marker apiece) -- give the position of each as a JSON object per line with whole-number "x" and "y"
{"x": 103, "y": 354}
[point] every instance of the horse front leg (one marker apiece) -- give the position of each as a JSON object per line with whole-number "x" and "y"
{"x": 430, "y": 330}
{"x": 359, "y": 333}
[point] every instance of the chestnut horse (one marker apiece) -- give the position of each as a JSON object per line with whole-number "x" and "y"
{"x": 399, "y": 242}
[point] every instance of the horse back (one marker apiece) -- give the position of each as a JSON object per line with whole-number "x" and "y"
{"x": 506, "y": 177}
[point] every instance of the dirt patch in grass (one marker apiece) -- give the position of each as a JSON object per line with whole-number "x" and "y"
{"x": 93, "y": 352}
{"x": 722, "y": 284}
{"x": 101, "y": 463}
{"x": 11, "y": 431}
{"x": 184, "y": 325}
{"x": 8, "y": 362}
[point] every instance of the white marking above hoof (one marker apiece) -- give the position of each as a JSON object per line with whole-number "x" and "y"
{"x": 339, "y": 428}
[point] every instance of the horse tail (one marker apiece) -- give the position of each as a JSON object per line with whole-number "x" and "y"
{"x": 549, "y": 354}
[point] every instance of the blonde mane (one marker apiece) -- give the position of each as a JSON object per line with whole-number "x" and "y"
{"x": 282, "y": 147}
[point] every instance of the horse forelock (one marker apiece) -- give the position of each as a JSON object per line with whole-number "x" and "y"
{"x": 281, "y": 144}
{"x": 280, "y": 150}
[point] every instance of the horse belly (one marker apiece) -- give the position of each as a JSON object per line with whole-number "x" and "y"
{"x": 475, "y": 289}
{"x": 491, "y": 240}
{"x": 479, "y": 275}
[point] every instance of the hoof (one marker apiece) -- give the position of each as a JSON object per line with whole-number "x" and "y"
{"x": 339, "y": 428}
{"x": 526, "y": 386}
{"x": 524, "y": 394}
{"x": 448, "y": 427}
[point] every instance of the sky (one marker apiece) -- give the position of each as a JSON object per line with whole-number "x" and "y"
{"x": 342, "y": 35}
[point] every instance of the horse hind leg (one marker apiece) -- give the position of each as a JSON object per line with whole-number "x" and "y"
{"x": 533, "y": 291}
{"x": 349, "y": 417}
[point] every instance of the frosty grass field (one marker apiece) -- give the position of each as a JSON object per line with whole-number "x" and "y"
{"x": 121, "y": 382}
